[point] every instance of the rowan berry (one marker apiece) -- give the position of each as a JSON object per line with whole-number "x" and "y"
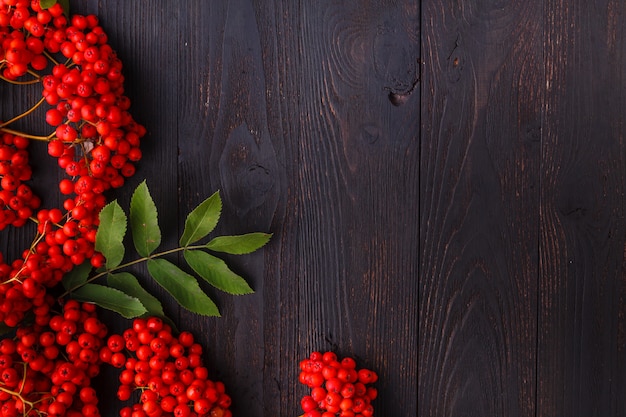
{"x": 90, "y": 410}
{"x": 186, "y": 339}
{"x": 56, "y": 408}
{"x": 360, "y": 389}
{"x": 224, "y": 401}
{"x": 168, "y": 403}
{"x": 154, "y": 324}
{"x": 124, "y": 391}
{"x": 308, "y": 403}
{"x": 182, "y": 410}
{"x": 66, "y": 186}
{"x": 127, "y": 377}
{"x": 54, "y": 118}
{"x": 186, "y": 376}
{"x": 202, "y": 406}
{"x": 372, "y": 393}
{"x": 182, "y": 363}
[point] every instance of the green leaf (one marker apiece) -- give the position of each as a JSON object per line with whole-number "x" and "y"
{"x": 216, "y": 272}
{"x": 182, "y": 286}
{"x": 128, "y": 284}
{"x": 111, "y": 299}
{"x": 144, "y": 223}
{"x": 202, "y": 220}
{"x": 239, "y": 245}
{"x": 110, "y": 235}
{"x": 77, "y": 276}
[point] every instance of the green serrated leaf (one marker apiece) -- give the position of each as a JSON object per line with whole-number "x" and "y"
{"x": 111, "y": 299}
{"x": 216, "y": 272}
{"x": 182, "y": 286}
{"x": 128, "y": 284}
{"x": 239, "y": 245}
{"x": 144, "y": 223}
{"x": 202, "y": 220}
{"x": 110, "y": 235}
{"x": 77, "y": 276}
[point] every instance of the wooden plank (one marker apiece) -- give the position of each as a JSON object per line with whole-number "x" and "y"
{"x": 277, "y": 114}
{"x": 479, "y": 212}
{"x": 227, "y": 146}
{"x": 352, "y": 235}
{"x": 581, "y": 368}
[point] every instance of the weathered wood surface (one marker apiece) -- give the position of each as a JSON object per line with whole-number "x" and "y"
{"x": 444, "y": 182}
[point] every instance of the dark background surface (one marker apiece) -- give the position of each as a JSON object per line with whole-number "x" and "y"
{"x": 444, "y": 181}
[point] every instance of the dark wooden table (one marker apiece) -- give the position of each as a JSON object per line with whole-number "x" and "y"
{"x": 444, "y": 181}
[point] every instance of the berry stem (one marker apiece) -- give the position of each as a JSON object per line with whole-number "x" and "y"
{"x": 50, "y": 58}
{"x": 26, "y": 113}
{"x": 26, "y": 135}
{"x": 18, "y": 394}
{"x": 31, "y": 250}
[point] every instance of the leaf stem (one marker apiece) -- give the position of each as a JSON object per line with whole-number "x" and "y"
{"x": 129, "y": 264}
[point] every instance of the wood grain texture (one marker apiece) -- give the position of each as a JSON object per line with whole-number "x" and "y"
{"x": 353, "y": 230}
{"x": 480, "y": 198}
{"x": 581, "y": 366}
{"x": 444, "y": 182}
{"x": 292, "y": 88}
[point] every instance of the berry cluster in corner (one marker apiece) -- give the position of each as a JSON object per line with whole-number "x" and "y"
{"x": 338, "y": 388}
{"x": 47, "y": 368}
{"x": 167, "y": 370}
{"x": 94, "y": 139}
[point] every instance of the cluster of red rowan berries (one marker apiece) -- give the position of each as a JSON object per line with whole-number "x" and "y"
{"x": 47, "y": 367}
{"x": 95, "y": 141}
{"x": 167, "y": 370}
{"x": 17, "y": 200}
{"x": 338, "y": 388}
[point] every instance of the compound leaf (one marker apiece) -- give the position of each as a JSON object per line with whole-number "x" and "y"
{"x": 202, "y": 220}
{"x": 144, "y": 223}
{"x": 111, "y": 299}
{"x": 182, "y": 286}
{"x": 110, "y": 235}
{"x": 216, "y": 272}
